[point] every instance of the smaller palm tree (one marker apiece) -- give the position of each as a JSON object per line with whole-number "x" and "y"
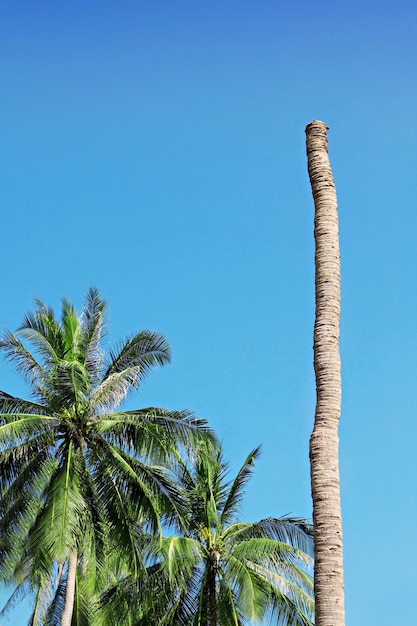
{"x": 219, "y": 571}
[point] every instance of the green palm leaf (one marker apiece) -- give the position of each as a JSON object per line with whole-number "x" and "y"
{"x": 13, "y": 406}
{"x": 235, "y": 493}
{"x": 21, "y": 357}
{"x": 93, "y": 331}
{"x": 145, "y": 349}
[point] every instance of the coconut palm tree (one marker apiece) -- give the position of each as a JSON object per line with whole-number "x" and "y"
{"x": 220, "y": 571}
{"x": 77, "y": 474}
{"x": 324, "y": 441}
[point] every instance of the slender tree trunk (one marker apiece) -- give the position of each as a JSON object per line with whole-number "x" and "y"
{"x": 324, "y": 441}
{"x": 211, "y": 584}
{"x": 212, "y": 598}
{"x": 70, "y": 591}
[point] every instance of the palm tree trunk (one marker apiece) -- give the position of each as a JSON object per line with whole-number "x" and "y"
{"x": 66, "y": 617}
{"x": 324, "y": 441}
{"x": 211, "y": 584}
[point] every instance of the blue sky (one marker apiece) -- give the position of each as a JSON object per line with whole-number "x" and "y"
{"x": 156, "y": 150}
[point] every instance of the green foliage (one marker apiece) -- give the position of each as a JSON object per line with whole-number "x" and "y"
{"x": 219, "y": 570}
{"x": 83, "y": 482}
{"x": 75, "y": 475}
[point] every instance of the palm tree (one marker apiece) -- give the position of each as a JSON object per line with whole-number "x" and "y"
{"x": 76, "y": 475}
{"x": 324, "y": 442}
{"x": 219, "y": 571}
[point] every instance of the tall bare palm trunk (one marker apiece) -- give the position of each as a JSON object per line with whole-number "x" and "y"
{"x": 66, "y": 617}
{"x": 324, "y": 441}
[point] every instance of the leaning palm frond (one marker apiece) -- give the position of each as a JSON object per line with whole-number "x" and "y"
{"x": 235, "y": 493}
{"x": 146, "y": 349}
{"x": 22, "y": 359}
{"x": 14, "y": 406}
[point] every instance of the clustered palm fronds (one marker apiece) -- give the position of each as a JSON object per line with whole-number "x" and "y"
{"x": 86, "y": 490}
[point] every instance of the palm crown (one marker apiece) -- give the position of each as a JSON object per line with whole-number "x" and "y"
{"x": 75, "y": 473}
{"x": 220, "y": 571}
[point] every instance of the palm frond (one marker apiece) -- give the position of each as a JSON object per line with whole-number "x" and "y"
{"x": 294, "y": 531}
{"x": 13, "y": 405}
{"x": 248, "y": 588}
{"x": 122, "y": 501}
{"x": 92, "y": 323}
{"x": 144, "y": 600}
{"x": 58, "y": 529}
{"x": 24, "y": 362}
{"x": 44, "y": 332}
{"x": 16, "y": 427}
{"x": 71, "y": 332}
{"x": 155, "y": 492}
{"x": 114, "y": 389}
{"x": 288, "y": 611}
{"x": 45, "y": 597}
{"x": 86, "y": 597}
{"x": 286, "y": 590}
{"x": 52, "y": 606}
{"x": 146, "y": 349}
{"x": 228, "y": 611}
{"x": 274, "y": 555}
{"x": 235, "y": 492}
{"x": 183, "y": 601}
{"x": 21, "y": 476}
{"x": 68, "y": 384}
{"x": 179, "y": 556}
{"x": 153, "y": 432}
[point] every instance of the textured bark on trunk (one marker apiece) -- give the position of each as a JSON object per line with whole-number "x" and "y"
{"x": 70, "y": 590}
{"x": 324, "y": 441}
{"x": 212, "y": 597}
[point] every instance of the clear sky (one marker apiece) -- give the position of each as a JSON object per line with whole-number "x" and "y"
{"x": 157, "y": 151}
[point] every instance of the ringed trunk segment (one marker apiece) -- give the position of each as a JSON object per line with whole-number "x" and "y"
{"x": 324, "y": 441}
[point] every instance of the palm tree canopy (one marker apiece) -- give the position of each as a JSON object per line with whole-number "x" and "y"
{"x": 75, "y": 471}
{"x": 221, "y": 571}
